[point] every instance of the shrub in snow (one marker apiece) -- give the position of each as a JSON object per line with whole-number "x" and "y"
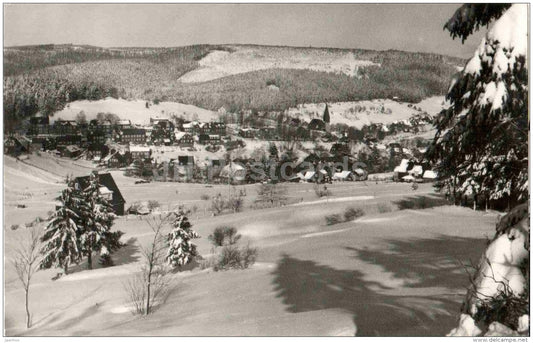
{"x": 152, "y": 205}
{"x": 384, "y": 208}
{"x": 142, "y": 298}
{"x": 321, "y": 192}
{"x": 150, "y": 286}
{"x": 333, "y": 219}
{"x": 224, "y": 235}
{"x": 353, "y": 213}
{"x": 233, "y": 257}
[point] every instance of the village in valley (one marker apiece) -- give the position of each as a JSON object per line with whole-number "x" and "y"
{"x": 176, "y": 149}
{"x": 265, "y": 190}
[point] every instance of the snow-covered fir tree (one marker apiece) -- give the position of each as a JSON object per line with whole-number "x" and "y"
{"x": 181, "y": 250}
{"x": 481, "y": 145}
{"x": 61, "y": 244}
{"x": 482, "y": 148}
{"x": 97, "y": 219}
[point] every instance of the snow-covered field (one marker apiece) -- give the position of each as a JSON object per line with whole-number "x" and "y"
{"x": 386, "y": 274}
{"x": 219, "y": 63}
{"x": 134, "y": 110}
{"x": 360, "y": 113}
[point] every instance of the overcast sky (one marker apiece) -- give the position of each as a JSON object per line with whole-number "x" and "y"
{"x": 411, "y": 27}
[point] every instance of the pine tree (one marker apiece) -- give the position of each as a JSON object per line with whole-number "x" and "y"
{"x": 181, "y": 250}
{"x": 481, "y": 144}
{"x": 97, "y": 218}
{"x": 61, "y": 237}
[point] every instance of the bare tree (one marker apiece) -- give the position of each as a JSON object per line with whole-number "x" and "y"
{"x": 151, "y": 284}
{"x": 26, "y": 262}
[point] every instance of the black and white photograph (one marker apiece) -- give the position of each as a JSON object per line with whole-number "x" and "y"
{"x": 303, "y": 169}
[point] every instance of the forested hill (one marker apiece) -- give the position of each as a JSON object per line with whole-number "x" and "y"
{"x": 44, "y": 78}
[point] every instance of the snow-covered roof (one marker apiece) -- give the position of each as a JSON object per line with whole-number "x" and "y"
{"x": 417, "y": 170}
{"x": 359, "y": 171}
{"x": 309, "y": 175}
{"x": 104, "y": 190}
{"x": 234, "y": 171}
{"x": 72, "y": 148}
{"x": 108, "y": 157}
{"x": 429, "y": 174}
{"x": 135, "y": 148}
{"x": 402, "y": 168}
{"x": 180, "y": 135}
{"x": 342, "y": 175}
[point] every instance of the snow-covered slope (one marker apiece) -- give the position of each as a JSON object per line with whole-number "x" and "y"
{"x": 219, "y": 63}
{"x": 360, "y": 113}
{"x": 134, "y": 110}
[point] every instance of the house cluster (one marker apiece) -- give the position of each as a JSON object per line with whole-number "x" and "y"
{"x": 410, "y": 170}
{"x": 317, "y": 167}
{"x": 288, "y": 128}
{"x": 396, "y": 149}
{"x": 264, "y": 127}
{"x": 94, "y": 138}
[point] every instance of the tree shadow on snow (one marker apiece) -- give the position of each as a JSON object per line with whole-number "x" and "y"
{"x": 420, "y": 202}
{"x": 129, "y": 253}
{"x": 433, "y": 262}
{"x": 379, "y": 310}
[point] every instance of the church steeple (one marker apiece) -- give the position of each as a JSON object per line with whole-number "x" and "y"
{"x": 325, "y": 117}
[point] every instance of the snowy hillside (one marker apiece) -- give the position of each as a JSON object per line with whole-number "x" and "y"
{"x": 360, "y": 113}
{"x": 219, "y": 64}
{"x": 134, "y": 110}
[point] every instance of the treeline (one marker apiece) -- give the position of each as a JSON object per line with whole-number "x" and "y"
{"x": 25, "y": 95}
{"x": 25, "y": 59}
{"x": 86, "y": 74}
